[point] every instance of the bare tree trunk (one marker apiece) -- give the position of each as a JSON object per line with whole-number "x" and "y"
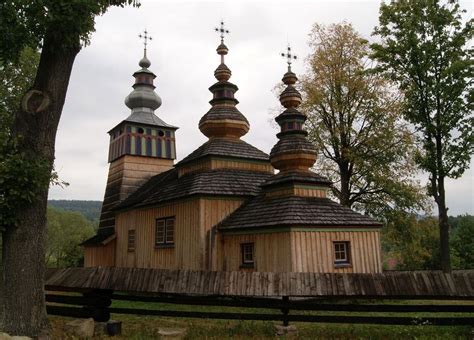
{"x": 344, "y": 196}
{"x": 443, "y": 228}
{"x": 23, "y": 309}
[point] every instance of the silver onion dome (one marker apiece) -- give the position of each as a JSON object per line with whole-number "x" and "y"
{"x": 143, "y": 95}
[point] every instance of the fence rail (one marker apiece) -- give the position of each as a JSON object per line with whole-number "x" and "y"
{"x": 404, "y": 285}
{"x": 304, "y": 297}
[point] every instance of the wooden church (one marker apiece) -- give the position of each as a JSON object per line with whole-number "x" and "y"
{"x": 223, "y": 207}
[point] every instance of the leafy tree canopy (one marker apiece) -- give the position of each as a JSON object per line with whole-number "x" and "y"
{"x": 26, "y": 23}
{"x": 66, "y": 231}
{"x": 354, "y": 119}
{"x": 427, "y": 54}
{"x": 425, "y": 48}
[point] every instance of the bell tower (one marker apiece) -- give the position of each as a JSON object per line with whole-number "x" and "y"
{"x": 141, "y": 146}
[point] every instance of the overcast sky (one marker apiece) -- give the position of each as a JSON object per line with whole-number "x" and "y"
{"x": 183, "y": 57}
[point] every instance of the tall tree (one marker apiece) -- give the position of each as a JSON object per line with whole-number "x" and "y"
{"x": 60, "y": 28}
{"x": 354, "y": 119}
{"x": 425, "y": 48}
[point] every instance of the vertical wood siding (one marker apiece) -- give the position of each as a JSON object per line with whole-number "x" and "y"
{"x": 100, "y": 256}
{"x": 272, "y": 252}
{"x": 212, "y": 212}
{"x": 313, "y": 251}
{"x": 187, "y": 250}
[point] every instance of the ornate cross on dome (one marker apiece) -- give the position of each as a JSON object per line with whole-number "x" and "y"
{"x": 289, "y": 57}
{"x": 222, "y": 30}
{"x": 145, "y": 38}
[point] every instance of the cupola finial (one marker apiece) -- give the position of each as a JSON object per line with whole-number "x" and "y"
{"x": 143, "y": 97}
{"x": 144, "y": 62}
{"x": 223, "y": 119}
{"x": 292, "y": 151}
{"x": 289, "y": 57}
{"x": 222, "y": 49}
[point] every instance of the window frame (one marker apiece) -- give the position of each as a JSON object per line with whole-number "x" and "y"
{"x": 346, "y": 262}
{"x": 131, "y": 232}
{"x": 246, "y": 263}
{"x": 166, "y": 243}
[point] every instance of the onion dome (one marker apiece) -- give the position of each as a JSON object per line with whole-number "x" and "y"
{"x": 223, "y": 119}
{"x": 143, "y": 97}
{"x": 293, "y": 151}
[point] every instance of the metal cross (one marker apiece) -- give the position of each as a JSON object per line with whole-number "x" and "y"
{"x": 222, "y": 30}
{"x": 145, "y": 37}
{"x": 289, "y": 56}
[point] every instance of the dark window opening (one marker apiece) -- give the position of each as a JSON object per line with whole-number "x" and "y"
{"x": 140, "y": 130}
{"x": 148, "y": 146}
{"x": 342, "y": 253}
{"x": 247, "y": 253}
{"x": 131, "y": 240}
{"x": 164, "y": 232}
{"x": 161, "y": 133}
{"x": 138, "y": 145}
{"x": 168, "y": 149}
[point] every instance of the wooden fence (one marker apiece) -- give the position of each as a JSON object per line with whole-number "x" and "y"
{"x": 276, "y": 293}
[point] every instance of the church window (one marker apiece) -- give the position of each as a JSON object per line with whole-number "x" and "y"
{"x": 131, "y": 240}
{"x": 148, "y": 146}
{"x": 140, "y": 130}
{"x": 158, "y": 148}
{"x": 247, "y": 252}
{"x": 161, "y": 133}
{"x": 168, "y": 149}
{"x": 164, "y": 232}
{"x": 128, "y": 145}
{"x": 138, "y": 145}
{"x": 341, "y": 253}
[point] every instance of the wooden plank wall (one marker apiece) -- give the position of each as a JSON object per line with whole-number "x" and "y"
{"x": 391, "y": 285}
{"x": 212, "y": 212}
{"x": 100, "y": 255}
{"x": 187, "y": 252}
{"x": 272, "y": 252}
{"x": 312, "y": 251}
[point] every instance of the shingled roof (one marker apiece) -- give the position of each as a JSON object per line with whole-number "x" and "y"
{"x": 295, "y": 177}
{"x": 168, "y": 186}
{"x": 266, "y": 212}
{"x": 226, "y": 147}
{"x": 103, "y": 236}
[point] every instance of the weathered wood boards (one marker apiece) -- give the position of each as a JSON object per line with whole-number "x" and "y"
{"x": 389, "y": 285}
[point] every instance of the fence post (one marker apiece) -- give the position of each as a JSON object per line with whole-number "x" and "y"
{"x": 285, "y": 310}
{"x": 98, "y": 309}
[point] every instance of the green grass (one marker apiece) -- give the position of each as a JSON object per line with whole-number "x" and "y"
{"x": 146, "y": 327}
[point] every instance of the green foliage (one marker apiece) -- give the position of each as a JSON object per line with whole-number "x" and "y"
{"x": 410, "y": 242}
{"x": 20, "y": 178}
{"x": 66, "y": 230}
{"x": 90, "y": 209}
{"x": 354, "y": 120}
{"x": 425, "y": 50}
{"x": 26, "y": 23}
{"x": 462, "y": 241}
{"x": 24, "y": 27}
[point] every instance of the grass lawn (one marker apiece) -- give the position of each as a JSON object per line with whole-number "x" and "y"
{"x": 146, "y": 327}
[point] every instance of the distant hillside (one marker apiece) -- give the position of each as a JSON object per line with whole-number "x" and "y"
{"x": 90, "y": 209}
